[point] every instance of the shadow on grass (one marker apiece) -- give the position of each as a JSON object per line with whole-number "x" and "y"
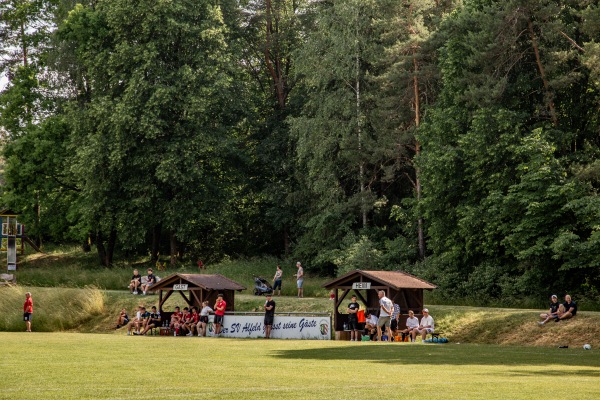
{"x": 454, "y": 354}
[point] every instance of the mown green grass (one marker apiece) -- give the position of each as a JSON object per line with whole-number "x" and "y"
{"x": 90, "y": 366}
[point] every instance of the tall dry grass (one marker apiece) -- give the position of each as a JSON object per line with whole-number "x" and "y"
{"x": 54, "y": 310}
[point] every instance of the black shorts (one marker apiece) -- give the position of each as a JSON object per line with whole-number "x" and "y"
{"x": 204, "y": 318}
{"x": 353, "y": 324}
{"x": 269, "y": 319}
{"x": 277, "y": 285}
{"x": 218, "y": 319}
{"x": 27, "y": 316}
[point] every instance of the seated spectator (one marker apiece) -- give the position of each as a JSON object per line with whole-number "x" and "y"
{"x": 371, "y": 325}
{"x": 153, "y": 320}
{"x": 136, "y": 281}
{"x": 412, "y": 323}
{"x": 203, "y": 321}
{"x": 553, "y": 312}
{"x": 151, "y": 280}
{"x": 566, "y": 310}
{"x": 192, "y": 322}
{"x": 122, "y": 319}
{"x": 426, "y": 326}
{"x": 175, "y": 318}
{"x": 137, "y": 321}
{"x": 142, "y": 322}
{"x": 183, "y": 321}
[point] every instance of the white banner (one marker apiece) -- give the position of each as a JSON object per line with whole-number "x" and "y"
{"x": 284, "y": 327}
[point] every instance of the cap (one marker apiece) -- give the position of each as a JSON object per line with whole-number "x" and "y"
{"x": 426, "y": 310}
{"x": 554, "y": 296}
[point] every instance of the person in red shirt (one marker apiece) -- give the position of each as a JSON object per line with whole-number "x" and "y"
{"x": 220, "y": 306}
{"x": 192, "y": 322}
{"x": 185, "y": 318}
{"x": 28, "y": 310}
{"x": 175, "y": 318}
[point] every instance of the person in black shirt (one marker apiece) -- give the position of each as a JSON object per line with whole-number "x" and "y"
{"x": 353, "y": 308}
{"x": 566, "y": 310}
{"x": 269, "y": 316}
{"x": 151, "y": 280}
{"x": 153, "y": 321}
{"x": 136, "y": 281}
{"x": 553, "y": 312}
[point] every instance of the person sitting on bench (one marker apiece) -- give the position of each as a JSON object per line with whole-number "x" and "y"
{"x": 150, "y": 280}
{"x": 153, "y": 321}
{"x": 426, "y": 326}
{"x": 412, "y": 323}
{"x": 371, "y": 325}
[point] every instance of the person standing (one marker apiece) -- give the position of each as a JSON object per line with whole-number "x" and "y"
{"x": 385, "y": 315}
{"x": 300, "y": 279}
{"x": 269, "y": 316}
{"x": 28, "y": 311}
{"x": 277, "y": 280}
{"x": 353, "y": 308}
{"x": 220, "y": 306}
{"x": 201, "y": 327}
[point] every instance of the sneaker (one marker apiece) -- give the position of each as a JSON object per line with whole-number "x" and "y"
{"x": 135, "y": 292}
{"x": 190, "y": 334}
{"x": 128, "y": 333}
{"x": 541, "y": 323}
{"x": 199, "y": 335}
{"x": 556, "y": 320}
{"x": 144, "y": 293}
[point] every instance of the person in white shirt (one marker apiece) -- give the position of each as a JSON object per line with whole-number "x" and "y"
{"x": 385, "y": 315}
{"x": 426, "y": 326}
{"x": 412, "y": 322}
{"x": 371, "y": 324}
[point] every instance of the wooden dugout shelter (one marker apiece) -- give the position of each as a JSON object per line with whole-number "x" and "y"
{"x": 402, "y": 288}
{"x": 199, "y": 288}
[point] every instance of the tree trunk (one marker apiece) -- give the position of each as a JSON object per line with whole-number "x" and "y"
{"x": 420, "y": 234}
{"x": 173, "y": 243}
{"x": 37, "y": 222}
{"x": 361, "y": 167}
{"x": 286, "y": 240}
{"x": 275, "y": 71}
{"x": 110, "y": 251}
{"x": 548, "y": 93}
{"x": 100, "y": 248}
{"x": 155, "y": 243}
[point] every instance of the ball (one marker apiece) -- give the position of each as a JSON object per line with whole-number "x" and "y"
{"x": 587, "y": 347}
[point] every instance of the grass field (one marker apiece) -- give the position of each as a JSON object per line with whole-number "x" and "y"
{"x": 92, "y": 366}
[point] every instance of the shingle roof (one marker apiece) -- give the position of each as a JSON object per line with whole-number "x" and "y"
{"x": 394, "y": 279}
{"x": 205, "y": 281}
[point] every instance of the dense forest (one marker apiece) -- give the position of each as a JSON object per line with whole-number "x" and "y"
{"x": 458, "y": 140}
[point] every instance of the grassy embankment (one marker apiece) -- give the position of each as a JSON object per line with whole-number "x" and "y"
{"x": 57, "y": 280}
